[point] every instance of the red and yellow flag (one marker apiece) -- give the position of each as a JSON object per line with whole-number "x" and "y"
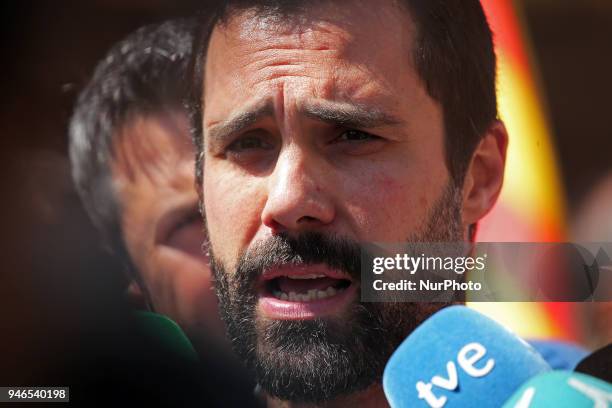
{"x": 531, "y": 206}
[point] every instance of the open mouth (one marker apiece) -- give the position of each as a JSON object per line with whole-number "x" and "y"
{"x": 305, "y": 288}
{"x": 304, "y": 292}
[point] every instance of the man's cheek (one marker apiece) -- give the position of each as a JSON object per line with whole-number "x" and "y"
{"x": 386, "y": 208}
{"x": 233, "y": 215}
{"x": 220, "y": 229}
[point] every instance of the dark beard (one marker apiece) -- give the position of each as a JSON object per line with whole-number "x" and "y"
{"x": 321, "y": 359}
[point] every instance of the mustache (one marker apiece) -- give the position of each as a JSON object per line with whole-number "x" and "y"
{"x": 308, "y": 248}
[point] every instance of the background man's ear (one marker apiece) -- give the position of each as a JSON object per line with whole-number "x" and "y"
{"x": 135, "y": 296}
{"x": 485, "y": 175}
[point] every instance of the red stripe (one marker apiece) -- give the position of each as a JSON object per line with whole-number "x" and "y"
{"x": 507, "y": 32}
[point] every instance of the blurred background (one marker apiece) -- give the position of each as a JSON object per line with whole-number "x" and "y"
{"x": 51, "y": 263}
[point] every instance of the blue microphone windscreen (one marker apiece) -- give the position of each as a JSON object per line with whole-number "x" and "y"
{"x": 562, "y": 389}
{"x": 459, "y": 358}
{"x": 559, "y": 355}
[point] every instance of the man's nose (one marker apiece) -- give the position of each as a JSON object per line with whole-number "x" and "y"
{"x": 299, "y": 197}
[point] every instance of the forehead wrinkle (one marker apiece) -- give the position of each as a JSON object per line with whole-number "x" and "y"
{"x": 336, "y": 22}
{"x": 273, "y": 48}
{"x": 154, "y": 165}
{"x": 253, "y": 23}
{"x": 265, "y": 51}
{"x": 292, "y": 55}
{"x": 136, "y": 153}
{"x": 259, "y": 35}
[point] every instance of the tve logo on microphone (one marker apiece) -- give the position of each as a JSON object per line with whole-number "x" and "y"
{"x": 459, "y": 358}
{"x": 467, "y": 357}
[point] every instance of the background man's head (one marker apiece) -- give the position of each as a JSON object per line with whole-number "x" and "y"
{"x": 132, "y": 162}
{"x": 325, "y": 125}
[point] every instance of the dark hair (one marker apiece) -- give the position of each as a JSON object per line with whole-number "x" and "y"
{"x": 453, "y": 55}
{"x": 146, "y": 73}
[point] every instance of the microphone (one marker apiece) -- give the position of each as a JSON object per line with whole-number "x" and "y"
{"x": 459, "y": 358}
{"x": 164, "y": 336}
{"x": 560, "y": 355}
{"x": 598, "y": 364}
{"x": 562, "y": 389}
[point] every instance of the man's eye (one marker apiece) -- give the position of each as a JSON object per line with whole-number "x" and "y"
{"x": 191, "y": 218}
{"x": 247, "y": 143}
{"x": 187, "y": 235}
{"x": 251, "y": 150}
{"x": 353, "y": 135}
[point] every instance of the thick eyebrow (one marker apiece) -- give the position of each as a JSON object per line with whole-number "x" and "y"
{"x": 240, "y": 121}
{"x": 350, "y": 115}
{"x": 335, "y": 113}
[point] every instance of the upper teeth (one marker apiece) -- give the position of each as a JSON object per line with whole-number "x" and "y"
{"x": 311, "y": 276}
{"x": 312, "y": 294}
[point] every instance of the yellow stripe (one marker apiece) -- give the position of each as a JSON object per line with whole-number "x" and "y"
{"x": 528, "y": 320}
{"x": 532, "y": 186}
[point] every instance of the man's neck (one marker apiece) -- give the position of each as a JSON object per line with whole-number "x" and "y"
{"x": 372, "y": 397}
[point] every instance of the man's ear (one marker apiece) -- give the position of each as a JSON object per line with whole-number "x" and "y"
{"x": 135, "y": 296}
{"x": 485, "y": 174}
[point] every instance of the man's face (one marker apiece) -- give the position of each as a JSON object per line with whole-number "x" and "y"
{"x": 318, "y": 135}
{"x": 154, "y": 181}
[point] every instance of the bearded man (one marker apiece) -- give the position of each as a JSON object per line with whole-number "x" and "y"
{"x": 321, "y": 125}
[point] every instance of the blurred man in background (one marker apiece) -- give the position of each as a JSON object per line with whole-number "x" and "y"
{"x": 132, "y": 162}
{"x": 133, "y": 165}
